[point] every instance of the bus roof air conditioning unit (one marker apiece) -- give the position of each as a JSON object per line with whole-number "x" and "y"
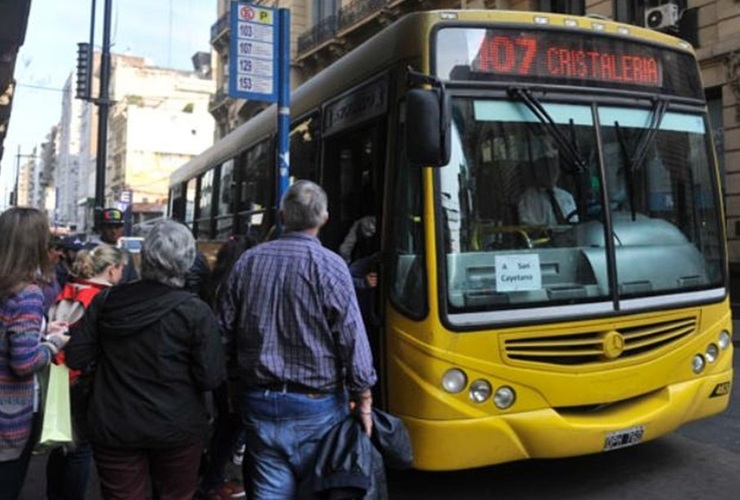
{"x": 662, "y": 16}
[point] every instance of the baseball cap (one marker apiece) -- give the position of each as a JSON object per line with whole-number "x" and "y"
{"x": 72, "y": 243}
{"x": 56, "y": 241}
{"x": 112, "y": 216}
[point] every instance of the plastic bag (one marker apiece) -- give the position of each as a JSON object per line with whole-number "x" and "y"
{"x": 56, "y": 428}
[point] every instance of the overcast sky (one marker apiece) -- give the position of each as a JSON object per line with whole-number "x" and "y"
{"x": 167, "y": 32}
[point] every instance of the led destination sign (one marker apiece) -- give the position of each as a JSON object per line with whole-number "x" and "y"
{"x": 548, "y": 56}
{"x": 525, "y": 55}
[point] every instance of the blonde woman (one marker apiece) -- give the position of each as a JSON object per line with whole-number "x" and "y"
{"x": 68, "y": 468}
{"x": 92, "y": 271}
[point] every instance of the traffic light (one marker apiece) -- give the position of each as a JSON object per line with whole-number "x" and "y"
{"x": 84, "y": 63}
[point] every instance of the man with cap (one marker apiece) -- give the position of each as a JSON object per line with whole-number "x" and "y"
{"x": 69, "y": 246}
{"x": 111, "y": 229}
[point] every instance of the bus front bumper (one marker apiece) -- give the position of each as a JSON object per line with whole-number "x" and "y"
{"x": 551, "y": 433}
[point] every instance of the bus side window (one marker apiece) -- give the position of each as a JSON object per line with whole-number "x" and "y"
{"x": 190, "y": 191}
{"x": 255, "y": 192}
{"x": 225, "y": 201}
{"x": 304, "y": 151}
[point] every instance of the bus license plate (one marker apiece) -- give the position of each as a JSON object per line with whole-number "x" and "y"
{"x": 622, "y": 439}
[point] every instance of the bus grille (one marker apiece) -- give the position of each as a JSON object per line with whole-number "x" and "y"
{"x": 600, "y": 346}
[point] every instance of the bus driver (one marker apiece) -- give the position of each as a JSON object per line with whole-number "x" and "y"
{"x": 545, "y": 204}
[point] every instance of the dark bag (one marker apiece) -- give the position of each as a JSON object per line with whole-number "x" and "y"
{"x": 391, "y": 439}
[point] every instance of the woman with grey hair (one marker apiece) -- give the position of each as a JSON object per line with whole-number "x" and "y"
{"x": 167, "y": 253}
{"x": 156, "y": 349}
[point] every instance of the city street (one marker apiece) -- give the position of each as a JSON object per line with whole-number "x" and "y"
{"x": 701, "y": 461}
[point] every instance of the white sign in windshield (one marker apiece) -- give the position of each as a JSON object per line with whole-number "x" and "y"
{"x": 519, "y": 272}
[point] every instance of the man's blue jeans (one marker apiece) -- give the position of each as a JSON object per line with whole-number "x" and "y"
{"x": 283, "y": 432}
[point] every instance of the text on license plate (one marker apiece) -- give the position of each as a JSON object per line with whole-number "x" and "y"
{"x": 625, "y": 437}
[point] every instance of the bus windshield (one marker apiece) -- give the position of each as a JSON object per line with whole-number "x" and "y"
{"x": 524, "y": 227}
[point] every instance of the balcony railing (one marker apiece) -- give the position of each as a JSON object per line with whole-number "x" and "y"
{"x": 219, "y": 27}
{"x": 320, "y": 33}
{"x": 357, "y": 10}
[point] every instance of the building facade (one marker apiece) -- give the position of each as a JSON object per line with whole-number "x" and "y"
{"x": 70, "y": 159}
{"x": 159, "y": 119}
{"x": 26, "y": 179}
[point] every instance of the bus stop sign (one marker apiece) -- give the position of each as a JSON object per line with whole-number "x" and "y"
{"x": 253, "y": 61}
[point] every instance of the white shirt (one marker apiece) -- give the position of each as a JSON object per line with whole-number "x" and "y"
{"x": 536, "y": 209}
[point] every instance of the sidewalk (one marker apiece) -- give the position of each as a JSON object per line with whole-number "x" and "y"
{"x": 35, "y": 486}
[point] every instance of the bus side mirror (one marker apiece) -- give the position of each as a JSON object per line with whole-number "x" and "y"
{"x": 428, "y": 113}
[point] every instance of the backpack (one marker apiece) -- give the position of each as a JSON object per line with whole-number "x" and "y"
{"x": 72, "y": 294}
{"x": 71, "y": 300}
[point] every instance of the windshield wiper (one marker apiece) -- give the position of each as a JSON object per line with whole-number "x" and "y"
{"x": 566, "y": 146}
{"x": 637, "y": 159}
{"x": 629, "y": 171}
{"x": 647, "y": 135}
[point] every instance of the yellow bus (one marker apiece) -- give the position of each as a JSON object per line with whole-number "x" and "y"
{"x": 549, "y": 227}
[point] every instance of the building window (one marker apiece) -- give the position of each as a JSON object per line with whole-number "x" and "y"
{"x": 575, "y": 7}
{"x": 631, "y": 11}
{"x": 322, "y": 9}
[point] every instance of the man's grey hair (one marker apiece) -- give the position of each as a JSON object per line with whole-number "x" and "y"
{"x": 304, "y": 206}
{"x": 167, "y": 253}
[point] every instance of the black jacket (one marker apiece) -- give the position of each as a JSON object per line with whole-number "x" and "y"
{"x": 198, "y": 278}
{"x": 349, "y": 465}
{"x": 156, "y": 349}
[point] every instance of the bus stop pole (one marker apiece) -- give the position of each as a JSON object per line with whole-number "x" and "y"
{"x": 283, "y": 103}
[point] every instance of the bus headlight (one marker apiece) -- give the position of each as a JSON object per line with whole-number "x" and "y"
{"x": 711, "y": 353}
{"x": 504, "y": 397}
{"x": 724, "y": 339}
{"x": 454, "y": 380}
{"x": 698, "y": 363}
{"x": 480, "y": 390}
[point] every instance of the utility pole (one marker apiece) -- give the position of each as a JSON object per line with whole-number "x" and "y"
{"x": 103, "y": 103}
{"x": 14, "y": 193}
